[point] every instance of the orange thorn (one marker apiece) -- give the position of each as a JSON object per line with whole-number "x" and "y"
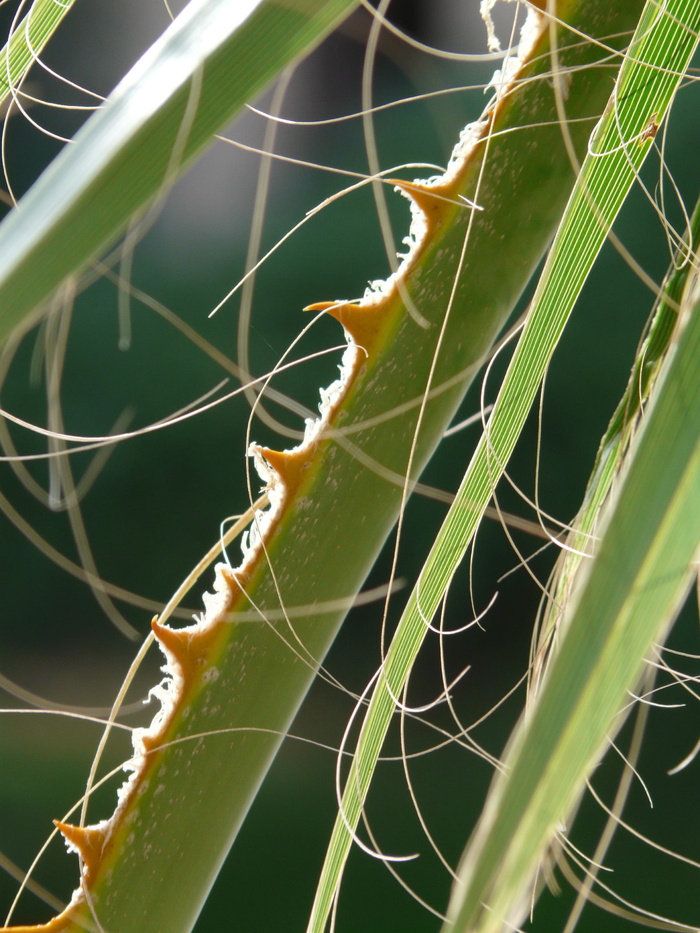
{"x": 189, "y": 647}
{"x": 174, "y": 643}
{"x": 60, "y": 924}
{"x": 323, "y": 306}
{"x": 289, "y": 465}
{"x": 361, "y": 323}
{"x": 433, "y": 200}
{"x": 89, "y": 842}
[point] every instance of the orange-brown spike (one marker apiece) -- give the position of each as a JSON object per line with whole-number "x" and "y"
{"x": 434, "y": 200}
{"x": 290, "y": 465}
{"x": 174, "y": 643}
{"x": 88, "y": 840}
{"x": 189, "y": 648}
{"x": 361, "y": 323}
{"x": 59, "y": 924}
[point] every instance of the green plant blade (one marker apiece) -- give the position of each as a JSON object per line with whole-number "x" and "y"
{"x": 626, "y": 602}
{"x": 214, "y": 58}
{"x": 614, "y": 446}
{"x": 658, "y": 56}
{"x": 28, "y": 40}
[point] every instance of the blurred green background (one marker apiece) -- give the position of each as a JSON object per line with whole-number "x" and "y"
{"x": 158, "y": 500}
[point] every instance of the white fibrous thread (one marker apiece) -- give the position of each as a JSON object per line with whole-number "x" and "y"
{"x": 485, "y": 8}
{"x": 529, "y": 31}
